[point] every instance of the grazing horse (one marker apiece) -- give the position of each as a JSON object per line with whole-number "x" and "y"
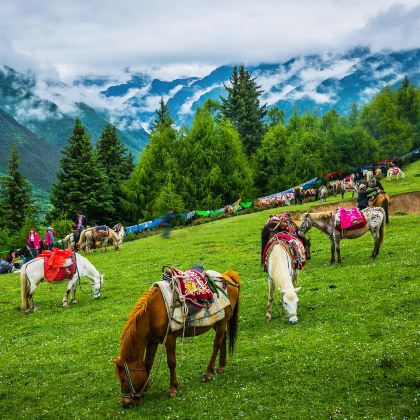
{"x": 397, "y": 172}
{"x": 347, "y": 186}
{"x": 288, "y": 198}
{"x": 326, "y": 222}
{"x": 70, "y": 242}
{"x": 282, "y": 274}
{"x": 382, "y": 200}
{"x": 323, "y": 193}
{"x": 148, "y": 325}
{"x": 120, "y": 231}
{"x": 88, "y": 238}
{"x": 32, "y": 273}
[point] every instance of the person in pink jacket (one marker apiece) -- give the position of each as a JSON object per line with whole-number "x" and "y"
{"x": 33, "y": 239}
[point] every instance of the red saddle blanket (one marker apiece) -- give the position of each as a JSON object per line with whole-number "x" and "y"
{"x": 351, "y": 219}
{"x": 293, "y": 245}
{"x": 56, "y": 264}
{"x": 193, "y": 288}
{"x": 282, "y": 222}
{"x": 395, "y": 171}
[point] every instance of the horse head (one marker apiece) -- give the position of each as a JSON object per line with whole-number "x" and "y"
{"x": 97, "y": 286}
{"x": 290, "y": 302}
{"x": 305, "y": 224}
{"x": 134, "y": 381}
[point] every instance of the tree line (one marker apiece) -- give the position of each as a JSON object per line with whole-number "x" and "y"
{"x": 234, "y": 148}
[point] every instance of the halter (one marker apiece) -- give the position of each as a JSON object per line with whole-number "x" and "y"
{"x": 133, "y": 393}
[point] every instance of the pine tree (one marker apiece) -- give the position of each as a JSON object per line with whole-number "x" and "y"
{"x": 16, "y": 198}
{"x": 242, "y": 108}
{"x": 116, "y": 161}
{"x": 156, "y": 165}
{"x": 163, "y": 116}
{"x": 81, "y": 181}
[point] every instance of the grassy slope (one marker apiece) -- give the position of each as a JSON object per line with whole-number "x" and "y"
{"x": 353, "y": 353}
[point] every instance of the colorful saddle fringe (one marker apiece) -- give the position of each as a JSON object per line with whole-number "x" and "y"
{"x": 293, "y": 246}
{"x": 282, "y": 222}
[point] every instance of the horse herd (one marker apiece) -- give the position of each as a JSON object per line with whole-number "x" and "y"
{"x": 148, "y": 323}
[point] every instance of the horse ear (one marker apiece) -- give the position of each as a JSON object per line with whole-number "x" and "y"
{"x": 297, "y": 289}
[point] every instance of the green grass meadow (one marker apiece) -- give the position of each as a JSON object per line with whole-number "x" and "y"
{"x": 354, "y": 352}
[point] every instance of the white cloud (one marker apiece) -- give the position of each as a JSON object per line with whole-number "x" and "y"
{"x": 186, "y": 107}
{"x": 187, "y": 37}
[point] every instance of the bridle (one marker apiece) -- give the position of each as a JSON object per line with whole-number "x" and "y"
{"x": 133, "y": 393}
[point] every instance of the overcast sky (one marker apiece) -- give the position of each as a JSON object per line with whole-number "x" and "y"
{"x": 171, "y": 38}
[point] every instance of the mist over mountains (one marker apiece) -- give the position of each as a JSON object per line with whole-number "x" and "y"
{"x": 38, "y": 114}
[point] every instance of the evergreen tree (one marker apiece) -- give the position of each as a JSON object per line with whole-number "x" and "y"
{"x": 242, "y": 108}
{"x": 163, "y": 116}
{"x": 216, "y": 169}
{"x": 116, "y": 161}
{"x": 156, "y": 165}
{"x": 81, "y": 181}
{"x": 16, "y": 198}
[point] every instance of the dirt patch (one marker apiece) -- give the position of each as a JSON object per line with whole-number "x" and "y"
{"x": 407, "y": 202}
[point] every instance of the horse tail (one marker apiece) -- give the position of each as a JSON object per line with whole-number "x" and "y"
{"x": 234, "y": 319}
{"x": 24, "y": 283}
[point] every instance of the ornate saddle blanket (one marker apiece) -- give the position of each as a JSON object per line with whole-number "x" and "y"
{"x": 349, "y": 219}
{"x": 100, "y": 231}
{"x": 59, "y": 264}
{"x": 181, "y": 311}
{"x": 395, "y": 171}
{"x": 293, "y": 246}
{"x": 282, "y": 222}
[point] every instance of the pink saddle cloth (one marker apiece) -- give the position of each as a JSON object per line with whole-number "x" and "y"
{"x": 351, "y": 219}
{"x": 395, "y": 171}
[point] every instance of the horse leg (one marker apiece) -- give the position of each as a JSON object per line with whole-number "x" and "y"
{"x": 337, "y": 248}
{"x": 220, "y": 329}
{"x": 222, "y": 356}
{"x": 332, "y": 247}
{"x": 150, "y": 357}
{"x": 70, "y": 285}
{"x": 269, "y": 310}
{"x": 170, "y": 345}
{"x": 377, "y": 243}
{"x": 73, "y": 294}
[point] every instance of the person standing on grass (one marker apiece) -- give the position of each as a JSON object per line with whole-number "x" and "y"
{"x": 33, "y": 240}
{"x": 81, "y": 221}
{"x": 49, "y": 238}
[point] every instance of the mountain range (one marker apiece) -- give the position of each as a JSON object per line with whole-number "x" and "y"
{"x": 38, "y": 114}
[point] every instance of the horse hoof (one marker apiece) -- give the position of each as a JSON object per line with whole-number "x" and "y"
{"x": 220, "y": 370}
{"x": 171, "y": 393}
{"x": 65, "y": 305}
{"x": 268, "y": 317}
{"x": 206, "y": 377}
{"x": 74, "y": 301}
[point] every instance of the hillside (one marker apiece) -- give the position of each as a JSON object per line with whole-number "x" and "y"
{"x": 38, "y": 158}
{"x": 352, "y": 353}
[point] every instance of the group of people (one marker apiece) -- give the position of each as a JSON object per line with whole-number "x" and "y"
{"x": 35, "y": 245}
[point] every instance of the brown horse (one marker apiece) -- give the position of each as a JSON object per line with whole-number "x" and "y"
{"x": 148, "y": 325}
{"x": 382, "y": 200}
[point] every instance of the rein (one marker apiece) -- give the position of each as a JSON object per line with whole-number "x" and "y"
{"x": 80, "y": 283}
{"x": 133, "y": 393}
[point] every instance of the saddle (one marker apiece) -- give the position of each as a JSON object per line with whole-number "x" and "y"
{"x": 349, "y": 219}
{"x": 293, "y": 246}
{"x": 100, "y": 231}
{"x": 196, "y": 297}
{"x": 395, "y": 171}
{"x": 282, "y": 222}
{"x": 59, "y": 264}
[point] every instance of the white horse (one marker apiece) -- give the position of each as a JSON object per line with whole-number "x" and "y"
{"x": 288, "y": 198}
{"x": 32, "y": 273}
{"x": 69, "y": 242}
{"x": 282, "y": 276}
{"x": 120, "y": 231}
{"x": 397, "y": 172}
{"x": 323, "y": 193}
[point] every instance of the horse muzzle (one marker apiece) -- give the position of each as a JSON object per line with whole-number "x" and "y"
{"x": 131, "y": 402}
{"x": 293, "y": 319}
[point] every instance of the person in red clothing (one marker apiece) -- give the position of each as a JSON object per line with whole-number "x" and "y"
{"x": 33, "y": 240}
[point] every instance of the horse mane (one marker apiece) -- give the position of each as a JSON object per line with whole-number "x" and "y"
{"x": 323, "y": 215}
{"x": 265, "y": 237}
{"x": 129, "y": 335}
